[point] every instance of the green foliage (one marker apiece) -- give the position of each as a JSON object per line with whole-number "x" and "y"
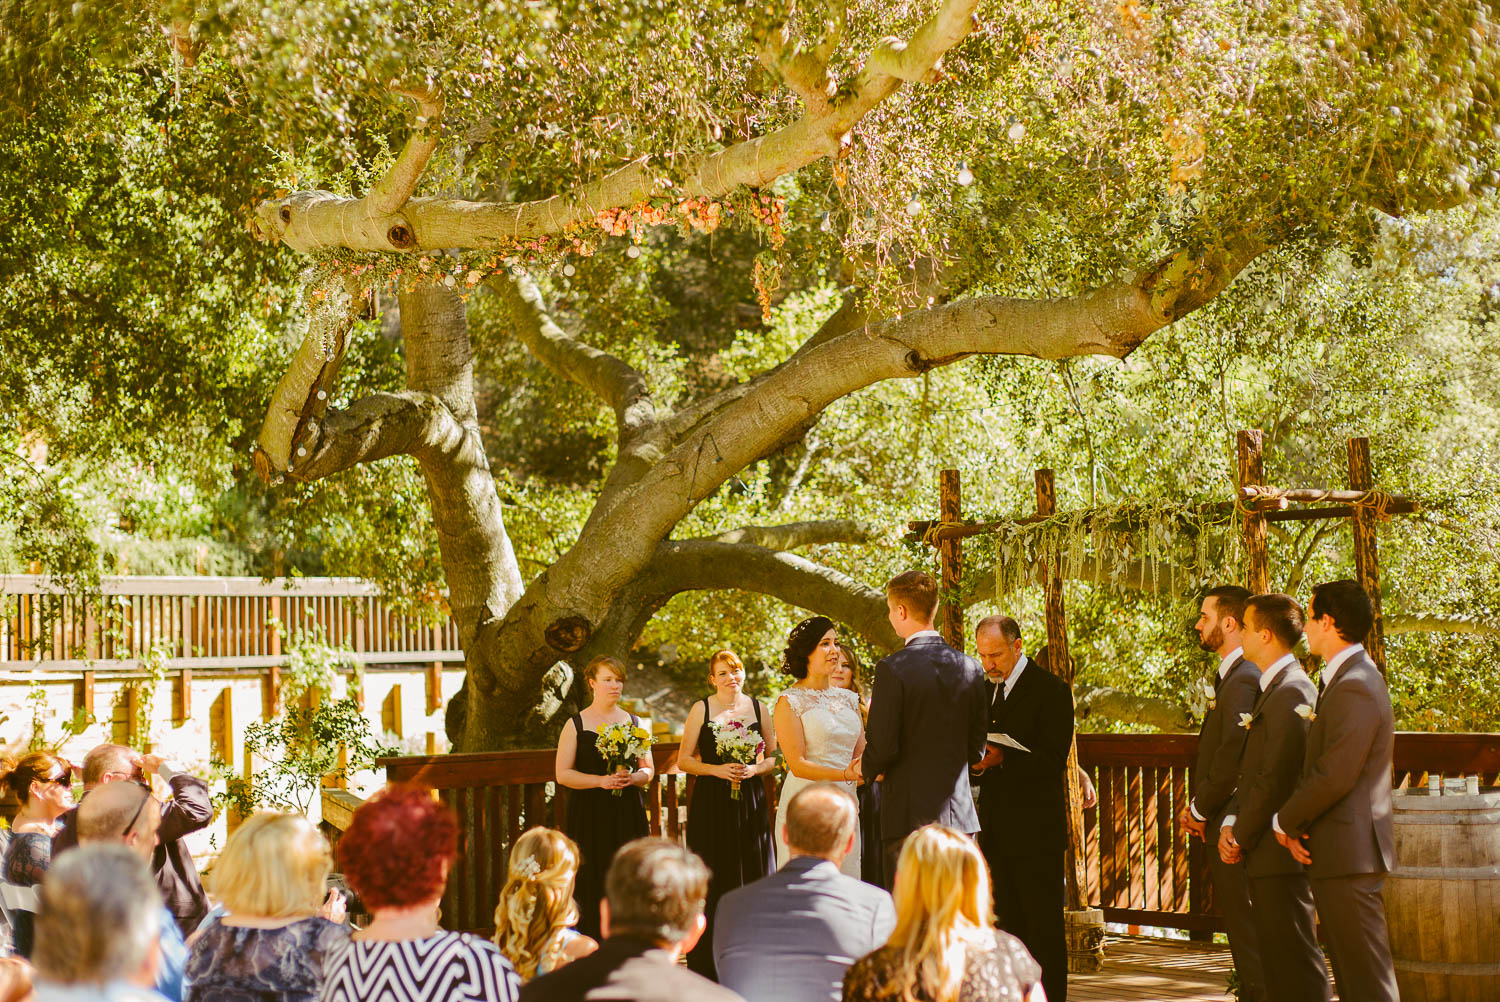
{"x": 299, "y": 749}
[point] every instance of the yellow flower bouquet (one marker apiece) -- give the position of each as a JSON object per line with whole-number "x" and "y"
{"x": 622, "y": 745}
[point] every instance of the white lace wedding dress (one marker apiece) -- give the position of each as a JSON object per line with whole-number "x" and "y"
{"x": 831, "y": 727}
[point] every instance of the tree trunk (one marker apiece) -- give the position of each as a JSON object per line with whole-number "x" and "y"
{"x": 484, "y": 579}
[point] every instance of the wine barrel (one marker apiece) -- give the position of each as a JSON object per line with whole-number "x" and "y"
{"x": 1443, "y": 900}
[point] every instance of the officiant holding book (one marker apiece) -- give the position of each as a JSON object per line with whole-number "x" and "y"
{"x": 1023, "y": 811}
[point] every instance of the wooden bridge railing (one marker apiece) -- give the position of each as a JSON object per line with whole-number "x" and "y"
{"x": 1140, "y": 865}
{"x": 1140, "y": 868}
{"x": 204, "y": 623}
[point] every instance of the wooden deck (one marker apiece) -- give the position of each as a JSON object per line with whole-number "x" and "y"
{"x": 1137, "y": 969}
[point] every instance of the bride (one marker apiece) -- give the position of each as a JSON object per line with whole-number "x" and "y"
{"x": 817, "y": 724}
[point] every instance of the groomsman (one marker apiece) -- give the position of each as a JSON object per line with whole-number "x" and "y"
{"x": 1023, "y": 812}
{"x": 1220, "y": 741}
{"x": 1275, "y": 740}
{"x": 1338, "y": 819}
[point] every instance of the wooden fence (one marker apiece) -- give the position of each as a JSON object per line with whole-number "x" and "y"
{"x": 204, "y": 623}
{"x": 1139, "y": 865}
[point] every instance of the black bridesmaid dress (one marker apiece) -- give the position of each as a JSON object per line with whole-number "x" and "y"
{"x": 600, "y": 823}
{"x": 732, "y": 836}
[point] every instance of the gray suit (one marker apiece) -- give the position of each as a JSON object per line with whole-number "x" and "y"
{"x": 1293, "y": 968}
{"x": 1342, "y": 803}
{"x": 1220, "y": 741}
{"x": 791, "y": 936}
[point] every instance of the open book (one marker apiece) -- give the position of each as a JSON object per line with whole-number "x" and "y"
{"x": 1005, "y": 741}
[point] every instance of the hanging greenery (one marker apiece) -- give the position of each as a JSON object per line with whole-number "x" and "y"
{"x": 1162, "y": 545}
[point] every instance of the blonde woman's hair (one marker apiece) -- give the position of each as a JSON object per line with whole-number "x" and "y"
{"x": 942, "y": 905}
{"x": 275, "y": 865}
{"x": 536, "y": 904}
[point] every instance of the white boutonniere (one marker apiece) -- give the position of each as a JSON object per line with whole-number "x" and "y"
{"x": 1209, "y": 695}
{"x": 1306, "y": 712}
{"x": 1245, "y": 720}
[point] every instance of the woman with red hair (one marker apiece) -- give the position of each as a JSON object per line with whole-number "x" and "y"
{"x": 396, "y": 856}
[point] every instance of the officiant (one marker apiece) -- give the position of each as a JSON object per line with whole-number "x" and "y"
{"x": 1023, "y": 798}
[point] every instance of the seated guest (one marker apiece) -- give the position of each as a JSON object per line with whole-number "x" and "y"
{"x": 652, "y": 915}
{"x": 395, "y": 855}
{"x": 272, "y": 944}
{"x": 125, "y": 813}
{"x": 188, "y": 810}
{"x": 945, "y": 947}
{"x": 43, "y": 783}
{"x": 97, "y": 928}
{"x": 536, "y": 913}
{"x": 790, "y": 937}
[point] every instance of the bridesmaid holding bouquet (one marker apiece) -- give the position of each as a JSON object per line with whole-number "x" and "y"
{"x": 605, "y": 808}
{"x": 728, "y": 744}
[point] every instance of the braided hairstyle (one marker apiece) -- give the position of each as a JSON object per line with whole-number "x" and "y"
{"x": 536, "y": 903}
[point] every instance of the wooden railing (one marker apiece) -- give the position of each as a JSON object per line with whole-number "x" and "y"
{"x": 204, "y": 623}
{"x": 1140, "y": 866}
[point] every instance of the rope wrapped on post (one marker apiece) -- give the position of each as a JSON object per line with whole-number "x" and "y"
{"x": 930, "y": 534}
{"x": 1378, "y": 502}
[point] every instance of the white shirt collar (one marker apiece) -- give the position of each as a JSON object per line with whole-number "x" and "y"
{"x": 1015, "y": 673}
{"x": 923, "y": 633}
{"x": 1337, "y": 661}
{"x": 1281, "y": 664}
{"x": 1228, "y": 660}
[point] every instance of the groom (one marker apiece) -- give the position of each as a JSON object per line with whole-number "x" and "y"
{"x": 928, "y": 715}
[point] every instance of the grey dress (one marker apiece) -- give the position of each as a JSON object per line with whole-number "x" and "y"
{"x": 230, "y": 963}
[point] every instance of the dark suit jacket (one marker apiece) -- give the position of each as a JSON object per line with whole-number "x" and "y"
{"x": 186, "y": 811}
{"x": 1269, "y": 767}
{"x": 1221, "y": 739}
{"x": 624, "y": 970}
{"x": 927, "y": 723}
{"x": 1023, "y": 802}
{"x": 791, "y": 936}
{"x": 1343, "y": 799}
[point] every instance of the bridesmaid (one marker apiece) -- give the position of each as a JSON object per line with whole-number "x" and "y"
{"x": 597, "y": 820}
{"x": 871, "y": 864}
{"x": 732, "y": 836}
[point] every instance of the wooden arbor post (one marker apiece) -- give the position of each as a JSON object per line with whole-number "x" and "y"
{"x": 1366, "y": 567}
{"x": 951, "y": 559}
{"x": 1250, "y": 472}
{"x": 1085, "y": 925}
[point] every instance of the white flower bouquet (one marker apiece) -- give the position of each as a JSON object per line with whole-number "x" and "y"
{"x": 736, "y": 743}
{"x": 622, "y": 746}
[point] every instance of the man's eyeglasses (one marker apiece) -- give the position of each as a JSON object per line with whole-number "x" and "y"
{"x": 137, "y": 815}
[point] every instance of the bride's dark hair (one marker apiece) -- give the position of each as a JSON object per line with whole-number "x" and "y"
{"x": 801, "y": 643}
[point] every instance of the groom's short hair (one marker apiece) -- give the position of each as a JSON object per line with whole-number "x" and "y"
{"x": 820, "y": 819}
{"x": 917, "y": 591}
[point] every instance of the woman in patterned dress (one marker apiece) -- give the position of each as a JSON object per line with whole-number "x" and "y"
{"x": 43, "y": 783}
{"x": 278, "y": 924}
{"x": 817, "y": 723}
{"x": 945, "y": 947}
{"x": 395, "y": 855}
{"x": 731, "y": 834}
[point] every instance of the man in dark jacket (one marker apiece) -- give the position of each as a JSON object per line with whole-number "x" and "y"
{"x": 928, "y": 713}
{"x": 1275, "y": 741}
{"x": 1233, "y": 692}
{"x": 1023, "y": 805}
{"x": 1338, "y": 819}
{"x": 651, "y": 915}
{"x": 188, "y": 810}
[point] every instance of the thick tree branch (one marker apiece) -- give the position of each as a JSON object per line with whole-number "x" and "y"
{"x": 302, "y": 394}
{"x": 395, "y": 189}
{"x": 378, "y": 426}
{"x": 1442, "y": 623}
{"x": 795, "y": 535}
{"x": 705, "y": 564}
{"x": 614, "y": 381}
{"x": 803, "y": 70}
{"x": 308, "y": 220}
